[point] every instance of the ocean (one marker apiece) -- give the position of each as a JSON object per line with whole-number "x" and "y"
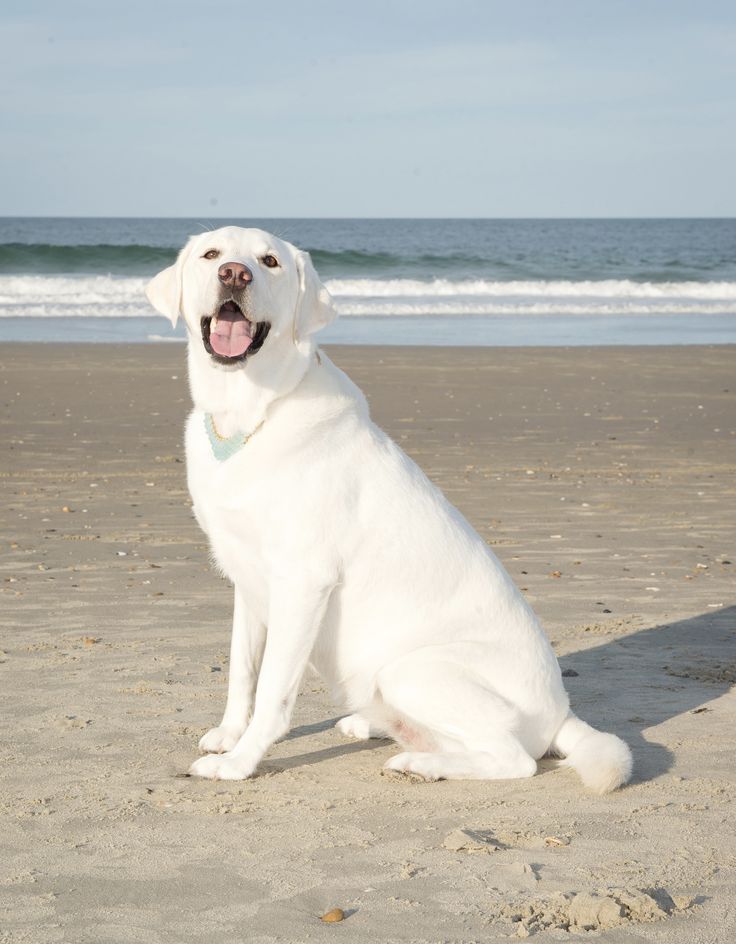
{"x": 442, "y": 282}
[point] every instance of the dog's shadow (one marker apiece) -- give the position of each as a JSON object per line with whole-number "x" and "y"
{"x": 326, "y": 753}
{"x": 277, "y": 765}
{"x": 634, "y": 683}
{"x": 628, "y": 685}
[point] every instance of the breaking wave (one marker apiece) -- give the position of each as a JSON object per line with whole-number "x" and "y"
{"x": 115, "y": 297}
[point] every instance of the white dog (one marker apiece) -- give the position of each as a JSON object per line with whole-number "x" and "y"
{"x": 341, "y": 551}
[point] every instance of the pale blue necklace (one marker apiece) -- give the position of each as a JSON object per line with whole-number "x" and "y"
{"x": 223, "y": 447}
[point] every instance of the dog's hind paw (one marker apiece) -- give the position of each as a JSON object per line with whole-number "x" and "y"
{"x": 220, "y": 740}
{"x": 416, "y": 764}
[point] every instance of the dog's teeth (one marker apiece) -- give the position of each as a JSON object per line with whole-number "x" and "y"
{"x": 213, "y": 324}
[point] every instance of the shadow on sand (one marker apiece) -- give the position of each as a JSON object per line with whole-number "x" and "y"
{"x": 633, "y": 683}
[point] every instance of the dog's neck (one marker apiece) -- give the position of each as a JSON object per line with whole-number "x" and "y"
{"x": 238, "y": 398}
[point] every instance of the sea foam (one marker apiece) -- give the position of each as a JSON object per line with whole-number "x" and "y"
{"x": 609, "y": 288}
{"x": 122, "y": 296}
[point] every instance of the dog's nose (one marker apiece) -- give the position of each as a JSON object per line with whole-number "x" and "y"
{"x": 234, "y": 274}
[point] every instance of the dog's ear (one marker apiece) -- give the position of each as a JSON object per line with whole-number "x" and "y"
{"x": 314, "y": 307}
{"x": 164, "y": 291}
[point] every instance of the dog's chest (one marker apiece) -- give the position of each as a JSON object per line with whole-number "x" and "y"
{"x": 231, "y": 508}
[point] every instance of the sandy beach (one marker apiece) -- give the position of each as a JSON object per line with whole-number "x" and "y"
{"x": 604, "y": 480}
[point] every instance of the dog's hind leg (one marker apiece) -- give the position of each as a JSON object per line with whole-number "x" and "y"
{"x": 454, "y": 725}
{"x": 508, "y": 761}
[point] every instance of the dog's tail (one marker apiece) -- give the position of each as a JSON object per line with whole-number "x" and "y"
{"x": 602, "y": 761}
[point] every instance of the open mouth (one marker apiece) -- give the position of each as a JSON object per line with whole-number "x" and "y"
{"x": 229, "y": 336}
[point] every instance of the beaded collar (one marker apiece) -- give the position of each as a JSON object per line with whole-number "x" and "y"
{"x": 223, "y": 447}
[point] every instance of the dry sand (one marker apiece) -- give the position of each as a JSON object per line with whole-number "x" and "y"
{"x": 604, "y": 480}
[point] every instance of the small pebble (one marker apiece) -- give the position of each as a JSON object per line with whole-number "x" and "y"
{"x": 333, "y": 915}
{"x": 556, "y": 841}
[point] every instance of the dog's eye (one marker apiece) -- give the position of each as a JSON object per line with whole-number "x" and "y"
{"x": 211, "y": 254}
{"x": 271, "y": 262}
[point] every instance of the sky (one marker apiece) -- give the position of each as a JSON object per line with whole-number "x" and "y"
{"x": 390, "y": 108}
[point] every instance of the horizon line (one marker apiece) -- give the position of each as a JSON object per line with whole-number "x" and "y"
{"x": 62, "y": 216}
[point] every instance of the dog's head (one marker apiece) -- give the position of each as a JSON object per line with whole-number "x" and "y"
{"x": 238, "y": 291}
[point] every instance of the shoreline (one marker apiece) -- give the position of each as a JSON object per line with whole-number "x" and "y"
{"x": 455, "y": 331}
{"x": 484, "y": 351}
{"x": 602, "y": 477}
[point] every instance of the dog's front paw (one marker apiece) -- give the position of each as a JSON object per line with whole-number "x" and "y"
{"x": 355, "y": 726}
{"x": 222, "y": 767}
{"x": 220, "y": 740}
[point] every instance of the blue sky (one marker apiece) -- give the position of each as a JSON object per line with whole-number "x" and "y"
{"x": 339, "y": 108}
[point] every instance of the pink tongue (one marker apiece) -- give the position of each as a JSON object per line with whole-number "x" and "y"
{"x": 230, "y": 338}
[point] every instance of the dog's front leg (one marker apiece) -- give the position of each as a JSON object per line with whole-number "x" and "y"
{"x": 295, "y": 614}
{"x": 246, "y": 652}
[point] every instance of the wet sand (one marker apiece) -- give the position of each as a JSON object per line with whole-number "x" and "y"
{"x": 604, "y": 480}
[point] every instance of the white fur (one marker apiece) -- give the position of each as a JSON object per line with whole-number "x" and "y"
{"x": 345, "y": 556}
{"x": 602, "y": 761}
